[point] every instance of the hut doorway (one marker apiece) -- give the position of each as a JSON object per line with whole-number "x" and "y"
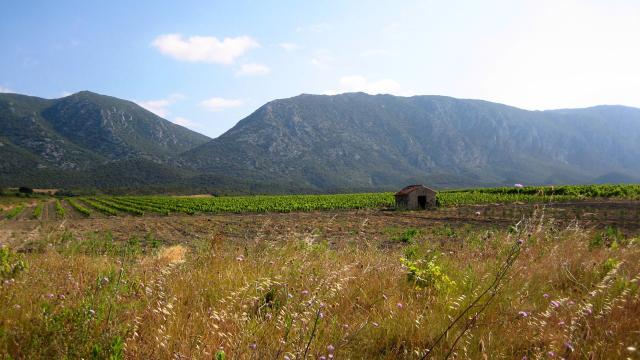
{"x": 422, "y": 201}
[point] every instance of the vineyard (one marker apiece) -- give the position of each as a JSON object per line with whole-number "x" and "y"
{"x": 97, "y": 206}
{"x": 138, "y": 205}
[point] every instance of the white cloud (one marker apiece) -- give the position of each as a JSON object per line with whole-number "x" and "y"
{"x": 253, "y": 70}
{"x": 204, "y": 48}
{"x": 219, "y": 104}
{"x": 322, "y": 58}
{"x": 288, "y": 46}
{"x": 5, "y": 90}
{"x": 185, "y": 122}
{"x": 357, "y": 83}
{"x": 160, "y": 106}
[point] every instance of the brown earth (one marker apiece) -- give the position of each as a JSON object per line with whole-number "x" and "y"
{"x": 336, "y": 227}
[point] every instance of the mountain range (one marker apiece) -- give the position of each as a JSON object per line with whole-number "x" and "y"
{"x": 314, "y": 143}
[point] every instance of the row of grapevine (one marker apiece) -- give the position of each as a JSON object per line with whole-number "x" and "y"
{"x": 81, "y": 209}
{"x": 37, "y": 211}
{"x": 473, "y": 197}
{"x": 629, "y": 191}
{"x": 100, "y": 207}
{"x": 139, "y": 205}
{"x": 14, "y": 212}
{"x": 59, "y": 209}
{"x": 117, "y": 206}
{"x": 288, "y": 203}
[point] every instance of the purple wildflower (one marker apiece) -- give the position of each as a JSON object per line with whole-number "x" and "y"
{"x": 569, "y": 346}
{"x": 546, "y": 296}
{"x": 399, "y": 305}
{"x": 588, "y": 311}
{"x": 331, "y": 348}
{"x": 253, "y": 346}
{"x": 322, "y": 357}
{"x": 520, "y": 186}
{"x": 523, "y": 313}
{"x": 305, "y": 292}
{"x": 555, "y": 304}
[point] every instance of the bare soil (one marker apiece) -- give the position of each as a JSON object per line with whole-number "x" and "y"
{"x": 334, "y": 227}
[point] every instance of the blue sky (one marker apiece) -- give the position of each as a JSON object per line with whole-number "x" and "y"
{"x": 208, "y": 64}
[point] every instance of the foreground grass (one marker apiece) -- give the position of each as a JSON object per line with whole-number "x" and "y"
{"x": 571, "y": 293}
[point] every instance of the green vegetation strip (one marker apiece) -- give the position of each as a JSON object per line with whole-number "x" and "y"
{"x": 37, "y": 211}
{"x": 287, "y": 203}
{"x": 59, "y": 209}
{"x": 108, "y": 210}
{"x": 114, "y": 205}
{"x": 537, "y": 194}
{"x": 81, "y": 209}
{"x": 14, "y": 212}
{"x": 140, "y": 205}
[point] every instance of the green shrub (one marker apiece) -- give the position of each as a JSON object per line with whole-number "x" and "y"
{"x": 11, "y": 264}
{"x": 610, "y": 237}
{"x": 407, "y": 236}
{"x": 428, "y": 273}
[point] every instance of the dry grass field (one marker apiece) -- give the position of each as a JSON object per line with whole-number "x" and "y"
{"x": 336, "y": 284}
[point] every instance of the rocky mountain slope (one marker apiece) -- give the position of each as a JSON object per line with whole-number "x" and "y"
{"x": 360, "y": 141}
{"x": 315, "y": 143}
{"x": 63, "y": 141}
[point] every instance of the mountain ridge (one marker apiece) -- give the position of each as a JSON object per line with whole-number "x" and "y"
{"x": 329, "y": 143}
{"x": 395, "y": 117}
{"x": 80, "y": 133}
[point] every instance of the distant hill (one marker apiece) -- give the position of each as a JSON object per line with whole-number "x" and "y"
{"x": 360, "y": 141}
{"x": 67, "y": 141}
{"x": 315, "y": 143}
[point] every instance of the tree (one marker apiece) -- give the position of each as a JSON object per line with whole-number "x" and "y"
{"x": 25, "y": 190}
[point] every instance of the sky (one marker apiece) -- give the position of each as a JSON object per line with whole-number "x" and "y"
{"x": 208, "y": 64}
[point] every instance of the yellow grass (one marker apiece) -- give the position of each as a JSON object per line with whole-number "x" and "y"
{"x": 571, "y": 293}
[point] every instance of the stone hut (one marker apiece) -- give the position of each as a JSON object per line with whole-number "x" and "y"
{"x": 415, "y": 197}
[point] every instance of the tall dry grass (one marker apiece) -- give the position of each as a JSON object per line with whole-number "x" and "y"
{"x": 571, "y": 293}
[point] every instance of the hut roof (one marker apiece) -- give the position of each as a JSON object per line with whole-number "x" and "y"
{"x": 408, "y": 189}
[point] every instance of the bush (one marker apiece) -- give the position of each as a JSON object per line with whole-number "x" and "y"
{"x": 10, "y": 263}
{"x": 407, "y": 236}
{"x": 427, "y": 274}
{"x": 25, "y": 190}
